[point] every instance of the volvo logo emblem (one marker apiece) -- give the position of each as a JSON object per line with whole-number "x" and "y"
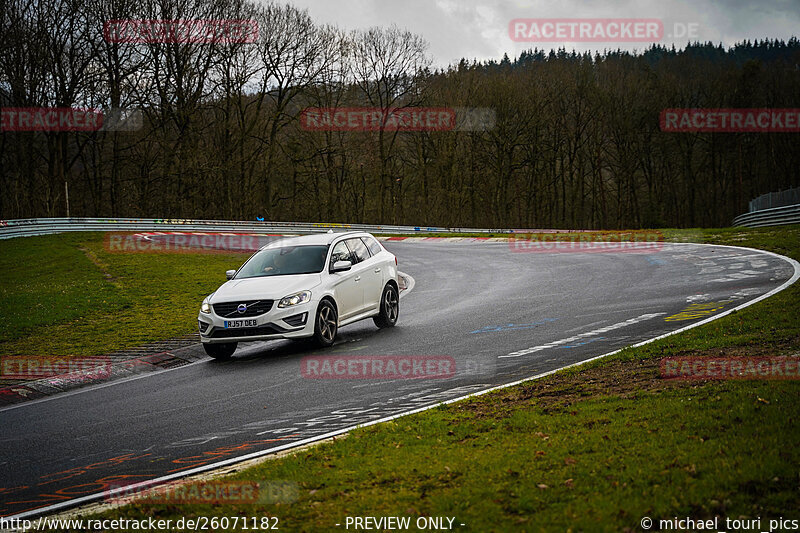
{"x": 241, "y": 308}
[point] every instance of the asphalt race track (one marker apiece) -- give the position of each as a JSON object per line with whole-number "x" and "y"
{"x": 501, "y": 316}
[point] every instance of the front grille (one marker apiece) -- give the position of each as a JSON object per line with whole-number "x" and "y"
{"x": 254, "y": 308}
{"x": 218, "y": 333}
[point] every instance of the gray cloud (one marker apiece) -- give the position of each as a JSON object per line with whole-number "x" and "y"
{"x": 479, "y": 28}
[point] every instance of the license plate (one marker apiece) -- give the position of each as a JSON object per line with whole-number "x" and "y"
{"x": 239, "y": 323}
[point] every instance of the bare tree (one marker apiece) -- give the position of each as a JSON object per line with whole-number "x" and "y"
{"x": 388, "y": 68}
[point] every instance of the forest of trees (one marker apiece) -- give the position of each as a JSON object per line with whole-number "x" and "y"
{"x": 576, "y": 143}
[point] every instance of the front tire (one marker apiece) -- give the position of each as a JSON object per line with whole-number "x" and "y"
{"x": 220, "y": 351}
{"x": 326, "y": 324}
{"x": 389, "y": 307}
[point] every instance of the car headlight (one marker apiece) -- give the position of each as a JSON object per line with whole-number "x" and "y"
{"x": 205, "y": 307}
{"x": 295, "y": 299}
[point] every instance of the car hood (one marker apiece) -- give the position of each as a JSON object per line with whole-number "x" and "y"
{"x": 266, "y": 287}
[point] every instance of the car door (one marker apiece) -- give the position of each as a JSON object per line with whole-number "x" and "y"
{"x": 383, "y": 261}
{"x": 346, "y": 288}
{"x": 370, "y": 273}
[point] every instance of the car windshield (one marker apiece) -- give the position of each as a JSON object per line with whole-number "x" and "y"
{"x": 285, "y": 261}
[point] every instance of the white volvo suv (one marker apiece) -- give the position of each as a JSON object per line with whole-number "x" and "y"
{"x": 300, "y": 287}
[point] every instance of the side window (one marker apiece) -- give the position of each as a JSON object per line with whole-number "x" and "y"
{"x": 340, "y": 253}
{"x": 360, "y": 252}
{"x": 372, "y": 244}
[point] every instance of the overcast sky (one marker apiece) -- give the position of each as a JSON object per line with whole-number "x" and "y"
{"x": 479, "y": 28}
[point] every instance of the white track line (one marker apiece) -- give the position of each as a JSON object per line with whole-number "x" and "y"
{"x": 226, "y": 462}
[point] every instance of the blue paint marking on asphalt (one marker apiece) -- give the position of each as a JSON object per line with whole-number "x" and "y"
{"x": 506, "y": 327}
{"x": 653, "y": 261}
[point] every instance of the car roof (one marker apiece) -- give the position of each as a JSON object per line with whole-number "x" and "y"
{"x": 314, "y": 238}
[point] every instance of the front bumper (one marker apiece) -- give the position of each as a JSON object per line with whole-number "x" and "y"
{"x": 278, "y": 323}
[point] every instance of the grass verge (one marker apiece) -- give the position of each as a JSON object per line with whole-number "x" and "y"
{"x": 67, "y": 295}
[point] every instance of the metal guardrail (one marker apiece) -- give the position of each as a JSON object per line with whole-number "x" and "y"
{"x": 777, "y": 216}
{"x": 775, "y": 199}
{"x": 44, "y": 226}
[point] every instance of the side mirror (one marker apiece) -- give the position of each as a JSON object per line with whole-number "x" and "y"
{"x": 230, "y": 273}
{"x": 341, "y": 266}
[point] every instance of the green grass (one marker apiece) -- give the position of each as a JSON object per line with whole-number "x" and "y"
{"x": 66, "y": 295}
{"x": 604, "y": 463}
{"x": 593, "y": 448}
{"x": 47, "y": 281}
